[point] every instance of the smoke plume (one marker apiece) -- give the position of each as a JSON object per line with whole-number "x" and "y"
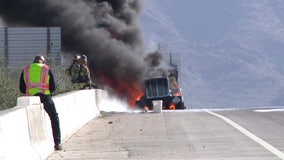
{"x": 106, "y": 31}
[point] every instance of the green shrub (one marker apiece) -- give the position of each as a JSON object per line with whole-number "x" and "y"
{"x": 62, "y": 80}
{"x": 9, "y": 84}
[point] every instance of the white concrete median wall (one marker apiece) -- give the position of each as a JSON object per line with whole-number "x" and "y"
{"x": 25, "y": 130}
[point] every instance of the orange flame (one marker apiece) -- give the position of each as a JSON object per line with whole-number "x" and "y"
{"x": 128, "y": 89}
{"x": 132, "y": 90}
{"x": 172, "y": 106}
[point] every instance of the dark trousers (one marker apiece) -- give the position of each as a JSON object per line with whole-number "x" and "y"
{"x": 49, "y": 107}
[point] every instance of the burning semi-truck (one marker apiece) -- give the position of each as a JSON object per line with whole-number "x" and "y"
{"x": 165, "y": 88}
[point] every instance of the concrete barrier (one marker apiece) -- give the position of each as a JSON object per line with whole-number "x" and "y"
{"x": 14, "y": 135}
{"x": 81, "y": 107}
{"x": 28, "y": 100}
{"x": 25, "y": 130}
{"x": 39, "y": 138}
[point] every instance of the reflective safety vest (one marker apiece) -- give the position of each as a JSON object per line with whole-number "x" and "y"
{"x": 37, "y": 79}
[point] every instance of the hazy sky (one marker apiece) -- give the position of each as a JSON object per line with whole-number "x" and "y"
{"x": 199, "y": 21}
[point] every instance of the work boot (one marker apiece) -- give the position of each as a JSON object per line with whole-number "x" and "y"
{"x": 58, "y": 147}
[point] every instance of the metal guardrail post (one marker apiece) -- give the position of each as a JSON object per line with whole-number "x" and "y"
{"x": 48, "y": 48}
{"x": 6, "y": 48}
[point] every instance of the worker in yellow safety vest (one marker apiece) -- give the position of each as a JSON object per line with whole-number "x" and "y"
{"x": 37, "y": 80}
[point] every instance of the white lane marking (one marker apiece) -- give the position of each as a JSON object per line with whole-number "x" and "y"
{"x": 269, "y": 110}
{"x": 250, "y": 135}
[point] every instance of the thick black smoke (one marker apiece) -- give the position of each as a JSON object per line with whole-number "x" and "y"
{"x": 105, "y": 30}
{"x": 156, "y": 66}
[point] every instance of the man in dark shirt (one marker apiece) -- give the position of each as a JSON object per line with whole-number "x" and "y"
{"x": 37, "y": 80}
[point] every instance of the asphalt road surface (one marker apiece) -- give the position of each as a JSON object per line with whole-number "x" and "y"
{"x": 197, "y": 135}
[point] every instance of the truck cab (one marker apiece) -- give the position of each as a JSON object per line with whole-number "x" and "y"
{"x": 165, "y": 89}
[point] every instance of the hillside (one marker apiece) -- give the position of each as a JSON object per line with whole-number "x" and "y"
{"x": 232, "y": 52}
